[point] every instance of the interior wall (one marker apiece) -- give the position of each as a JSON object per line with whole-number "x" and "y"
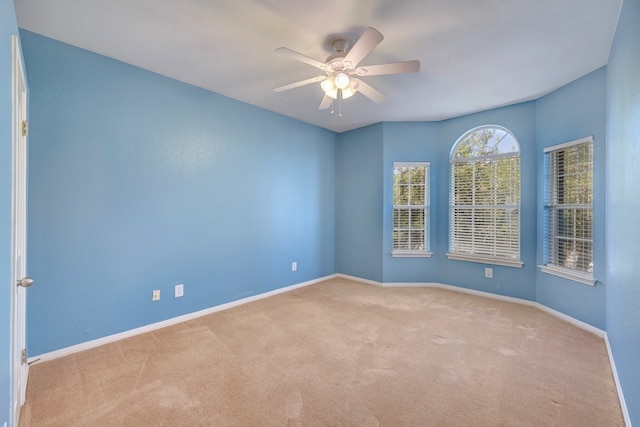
{"x": 623, "y": 204}
{"x": 8, "y": 28}
{"x": 410, "y": 142}
{"x": 509, "y": 281}
{"x": 359, "y": 203}
{"x": 367, "y": 245}
{"x": 561, "y": 116}
{"x": 433, "y": 142}
{"x": 139, "y": 182}
{"x": 575, "y": 111}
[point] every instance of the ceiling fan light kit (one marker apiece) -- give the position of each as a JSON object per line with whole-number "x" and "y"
{"x": 331, "y": 86}
{"x": 340, "y": 80}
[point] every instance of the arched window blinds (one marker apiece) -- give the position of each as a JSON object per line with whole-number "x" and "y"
{"x": 484, "y": 198}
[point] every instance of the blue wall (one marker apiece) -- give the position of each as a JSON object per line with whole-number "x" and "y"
{"x": 139, "y": 182}
{"x": 409, "y": 142}
{"x": 623, "y": 204}
{"x": 8, "y": 27}
{"x": 366, "y": 250}
{"x": 510, "y": 281}
{"x": 359, "y": 203}
{"x": 572, "y": 112}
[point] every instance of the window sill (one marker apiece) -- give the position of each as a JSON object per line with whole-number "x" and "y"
{"x": 567, "y": 273}
{"x": 486, "y": 260}
{"x": 411, "y": 254}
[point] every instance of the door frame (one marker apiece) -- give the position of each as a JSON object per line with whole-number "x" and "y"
{"x": 19, "y": 367}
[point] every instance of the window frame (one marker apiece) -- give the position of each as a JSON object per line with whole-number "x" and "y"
{"x": 425, "y": 253}
{"x": 552, "y": 206}
{"x": 515, "y": 260}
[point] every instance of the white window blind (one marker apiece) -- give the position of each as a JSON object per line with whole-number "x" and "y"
{"x": 410, "y": 209}
{"x": 485, "y": 197}
{"x": 569, "y": 208}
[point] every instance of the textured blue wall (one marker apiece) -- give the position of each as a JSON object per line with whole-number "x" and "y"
{"x": 139, "y": 182}
{"x": 8, "y": 27}
{"x": 510, "y": 281}
{"x": 558, "y": 117}
{"x": 572, "y": 112}
{"x": 623, "y": 204}
{"x": 384, "y": 144}
{"x": 359, "y": 203}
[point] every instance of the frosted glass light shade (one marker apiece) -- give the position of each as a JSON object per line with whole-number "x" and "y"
{"x": 342, "y": 80}
{"x": 329, "y": 88}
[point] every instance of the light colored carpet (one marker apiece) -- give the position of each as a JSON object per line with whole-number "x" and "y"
{"x": 339, "y": 353}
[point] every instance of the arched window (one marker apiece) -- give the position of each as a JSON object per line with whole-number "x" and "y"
{"x": 484, "y": 199}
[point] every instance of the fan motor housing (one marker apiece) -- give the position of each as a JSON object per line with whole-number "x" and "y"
{"x": 335, "y": 63}
{"x": 340, "y": 45}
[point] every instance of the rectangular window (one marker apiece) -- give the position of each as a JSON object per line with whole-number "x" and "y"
{"x": 411, "y": 209}
{"x": 485, "y": 210}
{"x": 568, "y": 250}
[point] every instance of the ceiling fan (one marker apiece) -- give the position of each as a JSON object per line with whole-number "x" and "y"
{"x": 342, "y": 75}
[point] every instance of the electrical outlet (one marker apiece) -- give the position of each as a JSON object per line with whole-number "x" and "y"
{"x": 294, "y": 266}
{"x": 488, "y": 273}
{"x": 179, "y": 290}
{"x": 156, "y": 295}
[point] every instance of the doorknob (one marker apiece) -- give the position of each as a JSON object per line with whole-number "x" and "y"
{"x": 25, "y": 282}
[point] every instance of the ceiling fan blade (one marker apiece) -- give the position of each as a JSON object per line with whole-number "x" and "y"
{"x": 392, "y": 68}
{"x": 369, "y": 91}
{"x": 300, "y": 83}
{"x": 326, "y": 103}
{"x": 363, "y": 47}
{"x": 302, "y": 58}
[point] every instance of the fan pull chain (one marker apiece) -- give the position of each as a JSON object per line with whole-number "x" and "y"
{"x": 340, "y": 102}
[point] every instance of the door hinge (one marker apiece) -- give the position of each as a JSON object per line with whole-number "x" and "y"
{"x": 23, "y": 356}
{"x": 25, "y": 128}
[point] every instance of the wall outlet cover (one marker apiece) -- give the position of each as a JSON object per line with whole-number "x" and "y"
{"x": 179, "y": 290}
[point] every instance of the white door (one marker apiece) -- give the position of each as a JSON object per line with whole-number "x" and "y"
{"x": 19, "y": 279}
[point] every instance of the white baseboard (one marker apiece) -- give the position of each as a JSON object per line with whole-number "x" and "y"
{"x": 578, "y": 323}
{"x": 169, "y": 322}
{"x": 575, "y": 322}
{"x": 623, "y": 403}
{"x": 359, "y": 279}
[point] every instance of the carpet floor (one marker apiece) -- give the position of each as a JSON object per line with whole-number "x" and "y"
{"x": 339, "y": 353}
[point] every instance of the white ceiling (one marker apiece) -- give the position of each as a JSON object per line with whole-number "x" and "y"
{"x": 474, "y": 54}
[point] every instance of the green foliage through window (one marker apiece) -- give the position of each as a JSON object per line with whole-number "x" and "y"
{"x": 410, "y": 207}
{"x": 569, "y": 206}
{"x": 485, "y": 195}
